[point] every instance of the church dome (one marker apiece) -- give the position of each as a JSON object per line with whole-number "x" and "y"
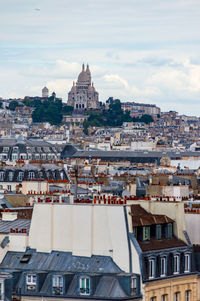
{"x": 84, "y": 77}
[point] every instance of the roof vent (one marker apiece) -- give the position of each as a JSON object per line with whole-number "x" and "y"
{"x": 25, "y": 258}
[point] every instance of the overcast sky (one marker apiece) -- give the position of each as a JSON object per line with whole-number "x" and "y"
{"x": 138, "y": 50}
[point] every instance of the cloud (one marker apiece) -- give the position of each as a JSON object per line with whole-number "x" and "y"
{"x": 114, "y": 80}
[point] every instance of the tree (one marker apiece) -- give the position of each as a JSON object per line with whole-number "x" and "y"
{"x": 114, "y": 116}
{"x": 50, "y": 110}
{"x": 28, "y": 102}
{"x": 38, "y": 114}
{"x": 12, "y": 105}
{"x": 146, "y": 118}
{"x": 67, "y": 110}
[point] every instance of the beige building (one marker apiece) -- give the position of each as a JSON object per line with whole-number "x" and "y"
{"x": 183, "y": 288}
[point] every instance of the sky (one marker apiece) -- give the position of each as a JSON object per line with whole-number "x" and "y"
{"x": 144, "y": 51}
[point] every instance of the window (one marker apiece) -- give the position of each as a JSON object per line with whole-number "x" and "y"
{"x": 169, "y": 228}
{"x": 40, "y": 174}
{"x": 43, "y": 157}
{"x": 31, "y": 175}
{"x": 135, "y": 231}
{"x": 133, "y": 285}
{"x": 163, "y": 266}
{"x": 57, "y": 284}
{"x": 62, "y": 175}
{"x": 177, "y": 296}
{"x": 9, "y": 187}
{"x": 169, "y": 232}
{"x": 158, "y": 231}
{"x": 31, "y": 281}
{"x": 1, "y": 291}
{"x": 5, "y": 149}
{"x": 14, "y": 157}
{"x": 10, "y": 176}
{"x": 84, "y": 286}
{"x": 23, "y": 156}
{"x": 176, "y": 264}
{"x": 151, "y": 268}
{"x": 164, "y": 297}
{"x": 187, "y": 263}
{"x": 146, "y": 233}
{"x": 187, "y": 295}
{"x": 1, "y": 175}
{"x": 153, "y": 299}
{"x": 20, "y": 176}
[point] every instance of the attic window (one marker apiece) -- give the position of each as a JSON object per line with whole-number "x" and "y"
{"x": 31, "y": 175}
{"x": 158, "y": 231}
{"x": 133, "y": 285}
{"x": 84, "y": 285}
{"x": 146, "y": 233}
{"x": 169, "y": 231}
{"x": 25, "y": 258}
{"x": 5, "y": 149}
{"x": 57, "y": 282}
{"x": 31, "y": 281}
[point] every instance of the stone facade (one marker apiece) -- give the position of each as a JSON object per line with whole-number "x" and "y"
{"x": 83, "y": 94}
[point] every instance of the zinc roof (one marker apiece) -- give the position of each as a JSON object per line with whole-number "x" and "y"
{"x": 60, "y": 261}
{"x": 5, "y": 226}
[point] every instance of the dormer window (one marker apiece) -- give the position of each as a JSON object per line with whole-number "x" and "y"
{"x": 84, "y": 284}
{"x": 133, "y": 285}
{"x": 163, "y": 266}
{"x": 20, "y": 176}
{"x": 62, "y": 175}
{"x": 43, "y": 157}
{"x": 1, "y": 290}
{"x": 2, "y": 175}
{"x": 57, "y": 284}
{"x": 151, "y": 268}
{"x": 146, "y": 233}
{"x": 5, "y": 149}
{"x": 31, "y": 281}
{"x": 169, "y": 231}
{"x": 176, "y": 264}
{"x": 187, "y": 268}
{"x": 135, "y": 231}
{"x": 10, "y": 176}
{"x": 31, "y": 175}
{"x": 158, "y": 231}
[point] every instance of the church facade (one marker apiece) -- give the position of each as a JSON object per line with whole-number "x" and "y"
{"x": 83, "y": 95}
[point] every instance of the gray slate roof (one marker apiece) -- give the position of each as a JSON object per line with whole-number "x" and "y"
{"x": 5, "y": 226}
{"x": 60, "y": 261}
